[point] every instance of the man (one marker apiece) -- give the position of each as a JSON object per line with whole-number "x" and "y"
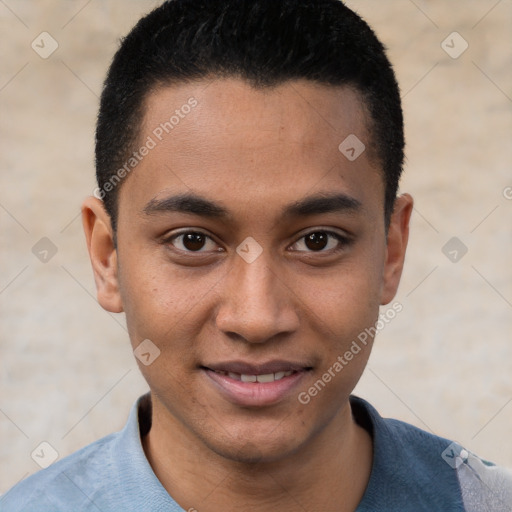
{"x": 247, "y": 222}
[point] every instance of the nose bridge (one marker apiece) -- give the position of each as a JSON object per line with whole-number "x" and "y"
{"x": 256, "y": 282}
{"x": 255, "y": 304}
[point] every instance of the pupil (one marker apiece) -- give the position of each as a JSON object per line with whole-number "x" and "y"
{"x": 316, "y": 241}
{"x": 193, "y": 241}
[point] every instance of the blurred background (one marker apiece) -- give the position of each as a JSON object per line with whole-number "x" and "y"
{"x": 444, "y": 363}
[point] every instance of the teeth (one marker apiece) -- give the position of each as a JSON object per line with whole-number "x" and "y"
{"x": 268, "y": 377}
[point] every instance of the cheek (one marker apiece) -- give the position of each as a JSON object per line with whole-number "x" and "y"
{"x": 146, "y": 301}
{"x": 345, "y": 314}
{"x": 347, "y": 300}
{"x": 166, "y": 312}
{"x": 165, "y": 305}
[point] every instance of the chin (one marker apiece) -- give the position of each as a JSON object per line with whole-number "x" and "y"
{"x": 252, "y": 449}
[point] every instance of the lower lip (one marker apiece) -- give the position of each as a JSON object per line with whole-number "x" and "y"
{"x": 254, "y": 394}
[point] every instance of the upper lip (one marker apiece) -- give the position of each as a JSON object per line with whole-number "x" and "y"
{"x": 245, "y": 368}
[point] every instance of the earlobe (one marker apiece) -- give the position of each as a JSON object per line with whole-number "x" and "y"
{"x": 398, "y": 236}
{"x": 102, "y": 252}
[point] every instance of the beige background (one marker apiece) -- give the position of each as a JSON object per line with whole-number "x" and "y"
{"x": 67, "y": 374}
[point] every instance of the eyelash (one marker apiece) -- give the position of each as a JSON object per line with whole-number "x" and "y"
{"x": 343, "y": 241}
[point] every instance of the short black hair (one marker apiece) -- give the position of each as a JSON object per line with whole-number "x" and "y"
{"x": 266, "y": 43}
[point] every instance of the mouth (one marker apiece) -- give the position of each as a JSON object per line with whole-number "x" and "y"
{"x": 266, "y": 377}
{"x": 251, "y": 385}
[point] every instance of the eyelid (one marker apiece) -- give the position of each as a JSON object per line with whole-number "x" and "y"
{"x": 325, "y": 229}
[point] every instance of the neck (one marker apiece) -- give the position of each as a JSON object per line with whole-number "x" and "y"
{"x": 329, "y": 472}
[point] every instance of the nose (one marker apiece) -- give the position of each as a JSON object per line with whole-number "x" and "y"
{"x": 257, "y": 303}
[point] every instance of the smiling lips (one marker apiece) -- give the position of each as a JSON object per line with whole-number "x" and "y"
{"x": 247, "y": 384}
{"x": 266, "y": 377}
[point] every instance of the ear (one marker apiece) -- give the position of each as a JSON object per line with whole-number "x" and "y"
{"x": 103, "y": 254}
{"x": 398, "y": 236}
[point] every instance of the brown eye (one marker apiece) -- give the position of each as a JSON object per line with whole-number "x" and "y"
{"x": 316, "y": 241}
{"x": 192, "y": 241}
{"x": 321, "y": 241}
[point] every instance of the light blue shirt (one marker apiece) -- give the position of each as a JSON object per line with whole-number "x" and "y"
{"x": 412, "y": 471}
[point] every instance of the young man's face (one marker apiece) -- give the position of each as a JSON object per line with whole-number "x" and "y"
{"x": 248, "y": 292}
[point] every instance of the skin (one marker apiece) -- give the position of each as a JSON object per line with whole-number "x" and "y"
{"x": 254, "y": 152}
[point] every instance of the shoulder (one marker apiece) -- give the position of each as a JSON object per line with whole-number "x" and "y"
{"x": 417, "y": 470}
{"x": 484, "y": 485}
{"x": 57, "y": 484}
{"x": 109, "y": 474}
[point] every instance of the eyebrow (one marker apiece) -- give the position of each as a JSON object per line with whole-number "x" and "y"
{"x": 203, "y": 207}
{"x": 323, "y": 203}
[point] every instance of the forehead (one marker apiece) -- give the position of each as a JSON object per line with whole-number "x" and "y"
{"x": 229, "y": 140}
{"x": 299, "y": 111}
